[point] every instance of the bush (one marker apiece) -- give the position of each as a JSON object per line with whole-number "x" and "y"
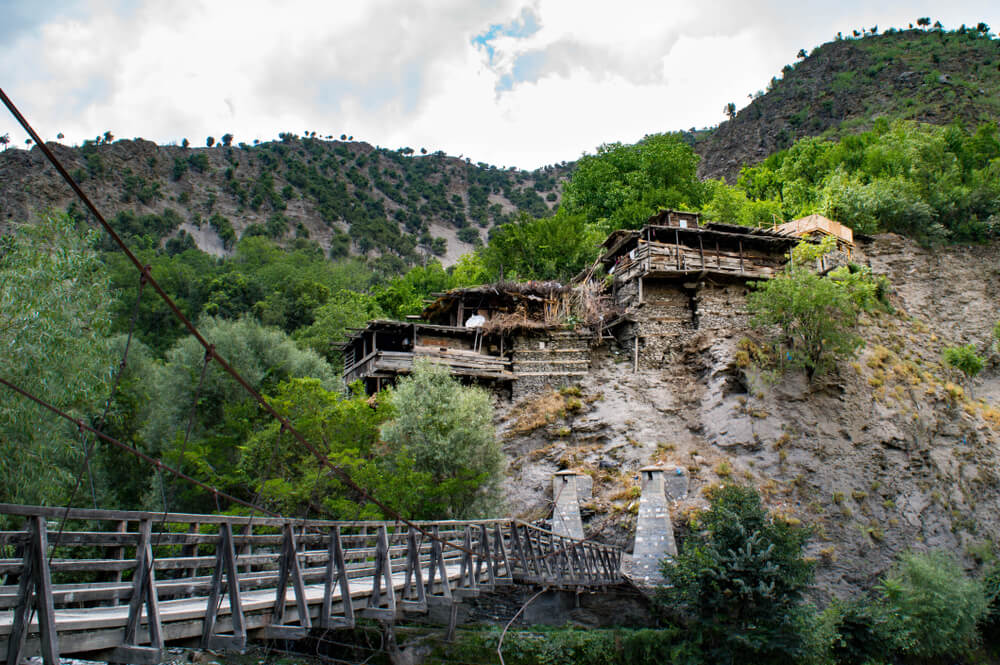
{"x": 862, "y": 633}
{"x": 816, "y": 315}
{"x": 933, "y": 606}
{"x": 739, "y": 581}
{"x": 964, "y": 359}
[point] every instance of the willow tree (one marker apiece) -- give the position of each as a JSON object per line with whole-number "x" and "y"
{"x": 55, "y": 319}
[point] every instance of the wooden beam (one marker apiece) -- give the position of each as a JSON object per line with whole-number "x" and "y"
{"x": 339, "y": 579}
{"x": 225, "y": 560}
{"x": 143, "y": 595}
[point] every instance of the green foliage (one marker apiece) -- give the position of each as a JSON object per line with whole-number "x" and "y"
{"x": 55, "y": 319}
{"x": 557, "y": 646}
{"x": 225, "y": 414}
{"x": 622, "y": 185}
{"x": 863, "y": 633}
{"x": 550, "y": 248}
{"x": 739, "y": 579}
{"x": 447, "y": 429}
{"x": 964, "y": 359}
{"x": 816, "y": 315}
{"x": 290, "y": 480}
{"x": 927, "y": 182}
{"x": 996, "y": 335}
{"x": 345, "y": 309}
{"x": 933, "y": 606}
{"x": 405, "y": 295}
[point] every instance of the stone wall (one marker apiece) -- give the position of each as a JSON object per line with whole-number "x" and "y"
{"x": 723, "y": 307}
{"x": 671, "y": 312}
{"x": 548, "y": 360}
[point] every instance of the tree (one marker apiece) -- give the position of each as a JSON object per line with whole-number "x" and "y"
{"x": 108, "y": 137}
{"x": 55, "y": 319}
{"x": 210, "y": 141}
{"x": 185, "y": 143}
{"x": 549, "y": 248}
{"x": 5, "y": 140}
{"x": 730, "y": 110}
{"x": 218, "y": 411}
{"x": 996, "y": 335}
{"x": 622, "y": 185}
{"x": 801, "y": 54}
{"x": 816, "y": 315}
{"x": 227, "y": 140}
{"x": 447, "y": 429}
{"x": 739, "y": 579}
{"x": 60, "y": 136}
{"x": 933, "y": 605}
{"x": 924, "y": 21}
{"x": 964, "y": 359}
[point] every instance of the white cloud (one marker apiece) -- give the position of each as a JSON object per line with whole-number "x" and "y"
{"x": 564, "y": 76}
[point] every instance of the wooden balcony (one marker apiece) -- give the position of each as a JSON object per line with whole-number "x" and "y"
{"x": 656, "y": 259}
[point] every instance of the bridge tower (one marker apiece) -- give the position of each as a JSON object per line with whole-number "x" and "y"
{"x": 654, "y": 532}
{"x": 566, "y": 510}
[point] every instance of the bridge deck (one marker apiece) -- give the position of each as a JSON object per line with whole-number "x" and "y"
{"x": 124, "y": 584}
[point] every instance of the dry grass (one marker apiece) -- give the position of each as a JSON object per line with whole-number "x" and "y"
{"x": 538, "y": 412}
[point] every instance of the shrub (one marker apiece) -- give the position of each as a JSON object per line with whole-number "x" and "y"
{"x": 740, "y": 580}
{"x": 933, "y": 606}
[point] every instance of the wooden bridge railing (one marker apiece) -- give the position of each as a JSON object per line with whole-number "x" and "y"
{"x": 122, "y": 584}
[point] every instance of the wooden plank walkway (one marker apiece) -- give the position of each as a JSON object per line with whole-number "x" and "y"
{"x": 121, "y": 585}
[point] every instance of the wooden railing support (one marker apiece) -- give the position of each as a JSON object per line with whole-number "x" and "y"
{"x": 143, "y": 595}
{"x": 436, "y": 567}
{"x": 336, "y": 560}
{"x": 225, "y": 560}
{"x": 35, "y": 588}
{"x": 382, "y": 575}
{"x": 289, "y": 568}
{"x": 413, "y": 597}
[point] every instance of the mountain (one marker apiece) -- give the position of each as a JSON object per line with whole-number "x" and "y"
{"x": 349, "y": 197}
{"x": 933, "y": 76}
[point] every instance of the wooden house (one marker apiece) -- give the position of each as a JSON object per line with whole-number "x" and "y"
{"x": 677, "y": 275}
{"x": 509, "y": 335}
{"x": 818, "y": 226}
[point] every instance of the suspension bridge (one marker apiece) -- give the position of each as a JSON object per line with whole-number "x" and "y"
{"x": 122, "y": 585}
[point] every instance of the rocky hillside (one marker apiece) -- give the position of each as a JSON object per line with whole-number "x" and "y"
{"x": 842, "y": 86}
{"x": 890, "y": 451}
{"x": 348, "y": 196}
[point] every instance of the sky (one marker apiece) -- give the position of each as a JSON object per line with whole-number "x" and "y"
{"x": 508, "y": 82}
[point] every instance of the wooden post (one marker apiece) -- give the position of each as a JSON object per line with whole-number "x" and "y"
{"x": 436, "y": 566}
{"x": 336, "y": 560}
{"x": 677, "y": 247}
{"x": 119, "y": 553}
{"x": 225, "y": 560}
{"x": 290, "y": 568}
{"x": 414, "y": 574}
{"x": 741, "y": 256}
{"x": 382, "y": 575}
{"x": 143, "y": 594}
{"x": 35, "y": 581}
{"x": 640, "y": 290}
{"x": 635, "y": 353}
{"x": 191, "y": 549}
{"x": 718, "y": 256}
{"x": 701, "y": 250}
